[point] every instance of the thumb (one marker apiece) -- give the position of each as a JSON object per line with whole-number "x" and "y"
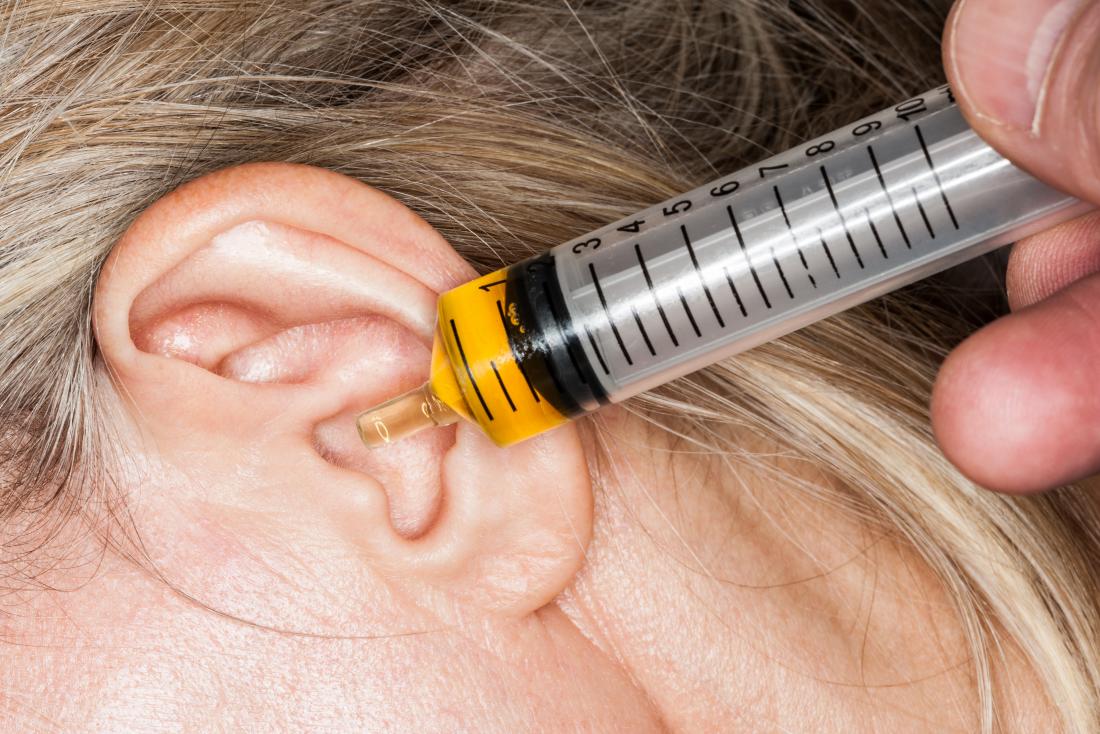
{"x": 1016, "y": 407}
{"x": 1027, "y": 76}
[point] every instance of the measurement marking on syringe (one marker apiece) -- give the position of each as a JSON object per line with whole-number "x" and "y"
{"x": 782, "y": 275}
{"x": 687, "y": 310}
{"x": 874, "y": 231}
{"x": 607, "y": 314}
{"x": 470, "y": 372}
{"x": 604, "y": 291}
{"x": 645, "y": 334}
{"x": 558, "y": 321}
{"x": 702, "y": 280}
{"x": 794, "y": 239}
{"x": 936, "y": 175}
{"x": 737, "y": 296}
{"x": 840, "y": 215}
{"x": 889, "y": 198}
{"x": 748, "y": 260}
{"x": 828, "y": 252}
{"x": 653, "y": 292}
{"x": 503, "y": 388}
{"x": 596, "y": 349}
{"x": 923, "y": 214}
{"x": 519, "y": 364}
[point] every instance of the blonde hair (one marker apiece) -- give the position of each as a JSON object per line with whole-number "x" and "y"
{"x": 512, "y": 126}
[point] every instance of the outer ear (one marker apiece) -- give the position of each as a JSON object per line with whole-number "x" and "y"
{"x": 247, "y": 317}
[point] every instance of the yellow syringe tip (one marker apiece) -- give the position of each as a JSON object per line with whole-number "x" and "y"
{"x": 474, "y": 375}
{"x": 403, "y": 416}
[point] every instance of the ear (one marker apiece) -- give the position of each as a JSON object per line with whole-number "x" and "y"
{"x": 246, "y": 318}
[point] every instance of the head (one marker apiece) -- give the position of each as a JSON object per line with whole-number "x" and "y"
{"x": 225, "y": 231}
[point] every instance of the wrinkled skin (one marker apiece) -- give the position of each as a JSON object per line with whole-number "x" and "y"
{"x": 1016, "y": 406}
{"x": 288, "y": 580}
{"x": 303, "y": 583}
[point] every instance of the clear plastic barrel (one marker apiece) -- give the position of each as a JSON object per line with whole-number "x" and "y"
{"x": 752, "y": 256}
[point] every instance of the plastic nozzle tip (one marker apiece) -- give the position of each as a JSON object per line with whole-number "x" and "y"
{"x": 403, "y": 416}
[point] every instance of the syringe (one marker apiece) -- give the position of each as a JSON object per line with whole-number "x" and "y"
{"x": 740, "y": 261}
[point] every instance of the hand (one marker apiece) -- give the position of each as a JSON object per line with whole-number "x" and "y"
{"x": 1017, "y": 406}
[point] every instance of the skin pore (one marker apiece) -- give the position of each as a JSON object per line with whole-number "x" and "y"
{"x": 263, "y": 572}
{"x": 803, "y": 633}
{"x": 587, "y": 580}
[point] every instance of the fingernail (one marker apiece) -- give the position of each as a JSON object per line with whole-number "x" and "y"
{"x": 1002, "y": 51}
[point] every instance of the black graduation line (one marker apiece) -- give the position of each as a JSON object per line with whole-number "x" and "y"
{"x": 936, "y": 175}
{"x": 813, "y": 281}
{"x": 641, "y": 328}
{"x": 794, "y": 237}
{"x": 748, "y": 260}
{"x": 828, "y": 252}
{"x": 782, "y": 275}
{"x": 874, "y": 231}
{"x": 843, "y": 221}
{"x": 889, "y": 198}
{"x": 923, "y": 214}
{"x": 653, "y": 292}
{"x": 558, "y": 321}
{"x": 687, "y": 310}
{"x": 736, "y": 295}
{"x": 522, "y": 371}
{"x": 469, "y": 372}
{"x": 699, "y": 272}
{"x": 502, "y": 386}
{"x": 607, "y": 314}
{"x": 596, "y": 349}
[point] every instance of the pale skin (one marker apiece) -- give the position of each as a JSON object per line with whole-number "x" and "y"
{"x": 444, "y": 585}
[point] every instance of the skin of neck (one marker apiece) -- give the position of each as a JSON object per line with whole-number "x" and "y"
{"x": 709, "y": 600}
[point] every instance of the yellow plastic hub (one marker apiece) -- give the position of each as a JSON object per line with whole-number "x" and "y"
{"x": 474, "y": 370}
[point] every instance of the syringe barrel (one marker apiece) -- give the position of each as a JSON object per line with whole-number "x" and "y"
{"x": 755, "y": 255}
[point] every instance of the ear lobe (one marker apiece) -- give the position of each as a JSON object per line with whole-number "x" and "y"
{"x": 247, "y": 317}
